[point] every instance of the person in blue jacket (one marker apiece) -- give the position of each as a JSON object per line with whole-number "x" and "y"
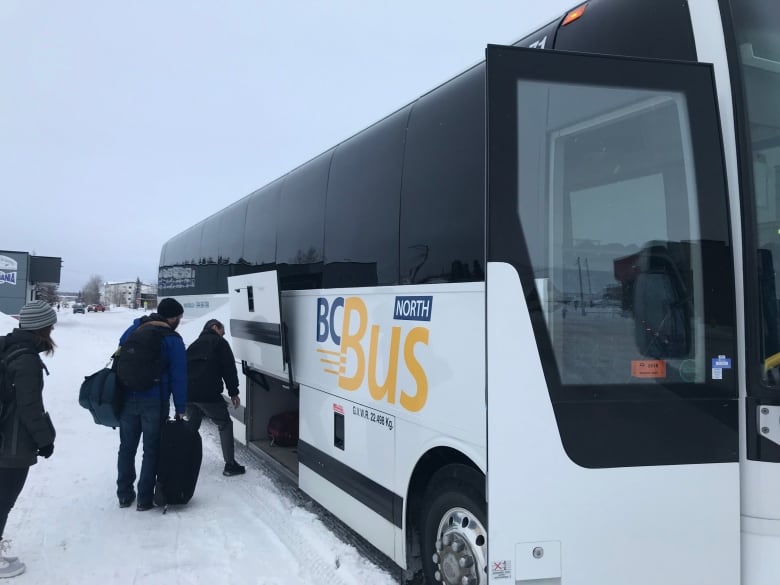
{"x": 145, "y": 409}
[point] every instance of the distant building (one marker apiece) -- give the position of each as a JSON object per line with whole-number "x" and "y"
{"x": 128, "y": 294}
{"x": 68, "y": 297}
{"x": 20, "y": 276}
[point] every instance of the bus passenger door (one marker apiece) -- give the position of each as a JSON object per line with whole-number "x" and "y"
{"x": 612, "y": 409}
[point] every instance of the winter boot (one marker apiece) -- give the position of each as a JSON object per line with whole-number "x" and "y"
{"x": 233, "y": 468}
{"x": 11, "y": 568}
{"x": 5, "y": 546}
{"x": 126, "y": 501}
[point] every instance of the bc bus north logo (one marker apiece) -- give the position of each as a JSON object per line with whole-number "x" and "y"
{"x": 344, "y": 324}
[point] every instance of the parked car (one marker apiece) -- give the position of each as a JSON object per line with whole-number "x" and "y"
{"x": 79, "y": 308}
{"x": 99, "y": 308}
{"x": 90, "y": 308}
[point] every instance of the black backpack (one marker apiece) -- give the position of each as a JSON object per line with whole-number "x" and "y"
{"x": 6, "y": 384}
{"x": 140, "y": 365}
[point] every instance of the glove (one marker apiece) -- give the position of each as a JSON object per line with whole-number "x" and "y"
{"x": 46, "y": 451}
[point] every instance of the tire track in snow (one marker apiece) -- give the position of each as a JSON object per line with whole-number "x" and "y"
{"x": 292, "y": 500}
{"x": 311, "y": 562}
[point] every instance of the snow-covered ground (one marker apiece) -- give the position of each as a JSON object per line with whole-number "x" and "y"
{"x": 251, "y": 529}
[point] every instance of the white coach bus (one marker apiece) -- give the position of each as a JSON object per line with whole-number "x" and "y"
{"x": 529, "y": 322}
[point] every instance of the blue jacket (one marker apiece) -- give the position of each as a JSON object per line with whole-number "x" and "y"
{"x": 174, "y": 376}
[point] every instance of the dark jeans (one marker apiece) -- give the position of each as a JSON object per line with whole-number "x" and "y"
{"x": 218, "y": 412}
{"x": 139, "y": 417}
{"x": 11, "y": 483}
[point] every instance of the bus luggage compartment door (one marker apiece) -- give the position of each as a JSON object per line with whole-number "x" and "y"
{"x": 256, "y": 323}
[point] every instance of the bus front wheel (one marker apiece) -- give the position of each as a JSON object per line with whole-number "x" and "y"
{"x": 454, "y": 527}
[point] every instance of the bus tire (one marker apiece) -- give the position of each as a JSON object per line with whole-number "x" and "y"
{"x": 453, "y": 527}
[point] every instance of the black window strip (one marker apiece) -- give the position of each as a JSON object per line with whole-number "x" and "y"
{"x": 368, "y": 492}
{"x": 269, "y": 333}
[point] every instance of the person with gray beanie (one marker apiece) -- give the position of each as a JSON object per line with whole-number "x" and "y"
{"x": 26, "y": 430}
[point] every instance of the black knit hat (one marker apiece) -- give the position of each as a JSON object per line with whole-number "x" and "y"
{"x": 170, "y": 308}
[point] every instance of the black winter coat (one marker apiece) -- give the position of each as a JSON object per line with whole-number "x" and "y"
{"x": 25, "y": 426}
{"x": 209, "y": 361}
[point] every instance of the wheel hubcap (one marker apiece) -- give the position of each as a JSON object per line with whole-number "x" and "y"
{"x": 461, "y": 549}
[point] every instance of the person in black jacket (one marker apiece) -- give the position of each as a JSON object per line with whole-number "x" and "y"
{"x": 210, "y": 361}
{"x": 26, "y": 431}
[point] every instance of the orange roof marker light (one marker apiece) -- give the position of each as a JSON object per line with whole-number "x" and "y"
{"x": 574, "y": 15}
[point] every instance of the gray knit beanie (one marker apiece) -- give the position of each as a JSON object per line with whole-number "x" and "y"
{"x": 36, "y": 315}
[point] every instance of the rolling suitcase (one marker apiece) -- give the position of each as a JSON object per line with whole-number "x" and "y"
{"x": 178, "y": 464}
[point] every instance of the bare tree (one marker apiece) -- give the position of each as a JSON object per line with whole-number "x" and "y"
{"x": 91, "y": 291}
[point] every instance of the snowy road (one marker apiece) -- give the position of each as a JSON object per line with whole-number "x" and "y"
{"x": 251, "y": 529}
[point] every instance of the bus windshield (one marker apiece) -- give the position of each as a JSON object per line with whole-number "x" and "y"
{"x": 757, "y": 32}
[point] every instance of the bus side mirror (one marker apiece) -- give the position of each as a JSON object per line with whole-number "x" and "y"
{"x": 661, "y": 307}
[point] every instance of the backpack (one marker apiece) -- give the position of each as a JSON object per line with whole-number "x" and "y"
{"x": 204, "y": 382}
{"x": 6, "y": 384}
{"x": 140, "y": 364}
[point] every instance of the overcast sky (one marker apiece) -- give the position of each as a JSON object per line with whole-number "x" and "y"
{"x": 124, "y": 123}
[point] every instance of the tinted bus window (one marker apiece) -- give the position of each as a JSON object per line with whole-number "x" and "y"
{"x": 184, "y": 249}
{"x": 442, "y": 201}
{"x": 757, "y": 31}
{"x": 208, "y": 271}
{"x": 209, "y": 242}
{"x": 364, "y": 192}
{"x": 260, "y": 227}
{"x": 162, "y": 254}
{"x": 178, "y": 274}
{"x": 231, "y": 232}
{"x": 301, "y": 224}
